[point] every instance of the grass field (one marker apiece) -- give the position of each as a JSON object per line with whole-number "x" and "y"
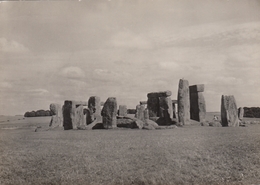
{"x": 187, "y": 155}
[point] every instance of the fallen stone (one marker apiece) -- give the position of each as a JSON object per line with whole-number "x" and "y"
{"x": 215, "y": 124}
{"x": 137, "y": 122}
{"x": 196, "y": 88}
{"x": 183, "y": 102}
{"x": 109, "y": 113}
{"x": 229, "y": 117}
{"x": 150, "y": 123}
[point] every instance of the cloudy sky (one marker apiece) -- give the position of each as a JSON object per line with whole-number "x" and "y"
{"x": 51, "y": 51}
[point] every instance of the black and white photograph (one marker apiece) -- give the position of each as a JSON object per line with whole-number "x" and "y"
{"x": 130, "y": 92}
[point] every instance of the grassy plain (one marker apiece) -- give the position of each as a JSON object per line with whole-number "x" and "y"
{"x": 187, "y": 155}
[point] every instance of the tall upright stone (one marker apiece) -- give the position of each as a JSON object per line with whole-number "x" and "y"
{"x": 88, "y": 115}
{"x": 57, "y": 117}
{"x": 184, "y": 102}
{"x": 197, "y": 103}
{"x": 241, "y": 113}
{"x": 166, "y": 112}
{"x": 229, "y": 116}
{"x": 109, "y": 112}
{"x": 73, "y": 115}
{"x": 140, "y": 112}
{"x": 122, "y": 112}
{"x": 94, "y": 106}
{"x": 146, "y": 114}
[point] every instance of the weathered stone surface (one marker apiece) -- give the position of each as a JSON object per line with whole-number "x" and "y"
{"x": 159, "y": 94}
{"x": 79, "y": 117}
{"x": 55, "y": 122}
{"x": 109, "y": 112}
{"x": 229, "y": 117}
{"x": 94, "y": 106}
{"x": 148, "y": 122}
{"x": 56, "y": 111}
{"x": 146, "y": 113}
{"x": 183, "y": 102}
{"x": 88, "y": 115}
{"x": 153, "y": 106}
{"x": 166, "y": 112}
{"x": 241, "y": 113}
{"x": 196, "y": 88}
{"x": 215, "y": 124}
{"x": 127, "y": 122}
{"x": 197, "y": 107}
{"x": 122, "y": 110}
{"x": 73, "y": 115}
{"x": 140, "y": 112}
{"x": 143, "y": 102}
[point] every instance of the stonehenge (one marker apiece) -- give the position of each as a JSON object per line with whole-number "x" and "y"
{"x": 197, "y": 103}
{"x": 158, "y": 111}
{"x": 183, "y": 102}
{"x": 109, "y": 112}
{"x": 229, "y": 113}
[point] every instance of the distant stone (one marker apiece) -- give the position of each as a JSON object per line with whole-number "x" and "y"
{"x": 183, "y": 102}
{"x": 109, "y": 113}
{"x": 196, "y": 88}
{"x": 165, "y": 111}
{"x": 159, "y": 94}
{"x": 79, "y": 117}
{"x": 140, "y": 112}
{"x": 197, "y": 107}
{"x": 229, "y": 117}
{"x": 240, "y": 113}
{"x": 94, "y": 106}
{"x": 122, "y": 110}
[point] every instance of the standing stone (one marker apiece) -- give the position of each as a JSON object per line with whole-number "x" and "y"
{"x": 197, "y": 107}
{"x": 140, "y": 112}
{"x": 153, "y": 106}
{"x": 241, "y": 113}
{"x": 146, "y": 114}
{"x": 89, "y": 117}
{"x": 57, "y": 117}
{"x": 166, "y": 112}
{"x": 122, "y": 112}
{"x": 229, "y": 117}
{"x": 184, "y": 102}
{"x": 109, "y": 112}
{"x": 73, "y": 115}
{"x": 174, "y": 109}
{"x": 94, "y": 106}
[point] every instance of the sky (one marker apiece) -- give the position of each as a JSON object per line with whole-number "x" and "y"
{"x": 51, "y": 51}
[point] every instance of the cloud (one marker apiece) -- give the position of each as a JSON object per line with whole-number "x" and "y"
{"x": 11, "y": 46}
{"x": 130, "y": 40}
{"x": 38, "y": 91}
{"x": 72, "y": 72}
{"x": 5, "y": 85}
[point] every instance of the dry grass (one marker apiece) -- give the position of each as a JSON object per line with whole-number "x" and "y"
{"x": 188, "y": 155}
